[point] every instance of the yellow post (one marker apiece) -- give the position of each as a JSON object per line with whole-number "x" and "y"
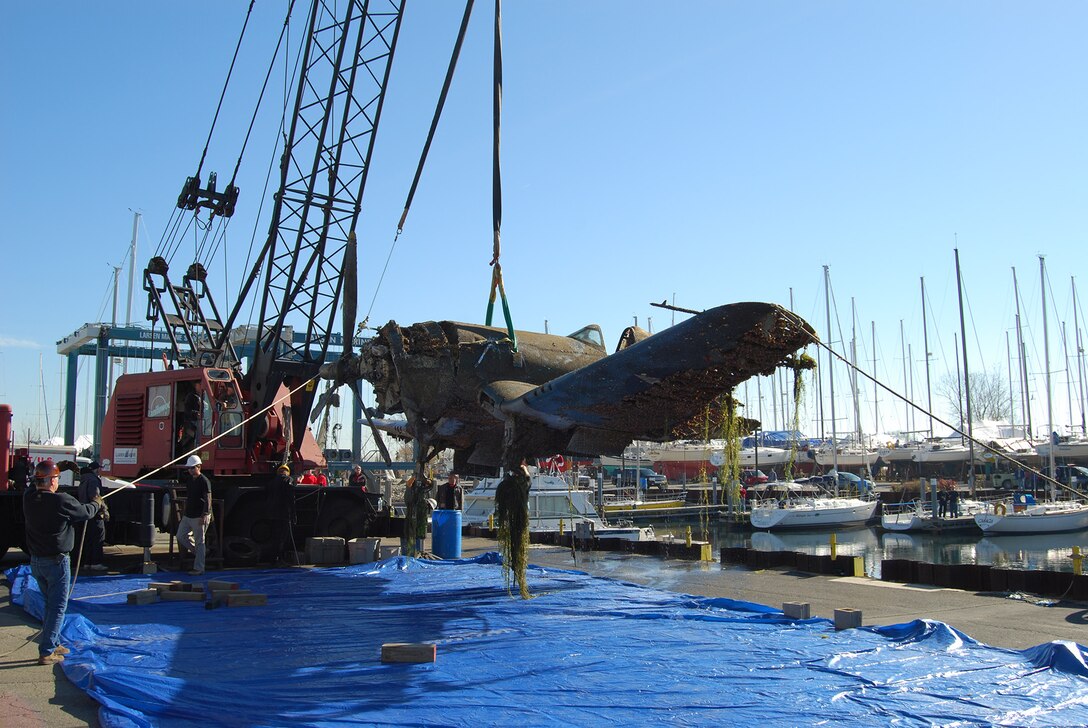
{"x": 560, "y": 526}
{"x": 1077, "y": 560}
{"x": 491, "y": 522}
{"x": 687, "y": 537}
{"x": 834, "y": 545}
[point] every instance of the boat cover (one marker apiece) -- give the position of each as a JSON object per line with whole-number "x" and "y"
{"x": 584, "y": 651}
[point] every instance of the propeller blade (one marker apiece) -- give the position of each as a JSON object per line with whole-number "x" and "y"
{"x": 370, "y": 421}
{"x": 329, "y": 398}
{"x": 350, "y": 272}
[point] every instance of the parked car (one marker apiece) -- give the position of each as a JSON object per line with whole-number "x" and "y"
{"x": 856, "y": 483}
{"x": 753, "y": 477}
{"x": 645, "y": 477}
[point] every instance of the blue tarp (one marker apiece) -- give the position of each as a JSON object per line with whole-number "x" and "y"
{"x": 584, "y": 651}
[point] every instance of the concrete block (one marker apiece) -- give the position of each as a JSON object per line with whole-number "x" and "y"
{"x": 218, "y": 585}
{"x": 181, "y": 596}
{"x": 408, "y": 652}
{"x": 847, "y": 618}
{"x": 797, "y": 610}
{"x": 388, "y": 552}
{"x": 325, "y": 550}
{"x": 143, "y": 596}
{"x": 363, "y": 550}
{"x": 235, "y": 599}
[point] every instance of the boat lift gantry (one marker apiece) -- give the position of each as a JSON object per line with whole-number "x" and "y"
{"x": 103, "y": 341}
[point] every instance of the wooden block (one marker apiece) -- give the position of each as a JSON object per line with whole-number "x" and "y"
{"x": 408, "y": 652}
{"x": 797, "y": 610}
{"x": 246, "y": 600}
{"x": 161, "y": 585}
{"x": 143, "y": 596}
{"x": 847, "y": 618}
{"x": 216, "y": 585}
{"x": 224, "y": 593}
{"x": 182, "y": 596}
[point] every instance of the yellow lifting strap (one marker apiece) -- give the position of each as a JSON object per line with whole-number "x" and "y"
{"x": 496, "y": 285}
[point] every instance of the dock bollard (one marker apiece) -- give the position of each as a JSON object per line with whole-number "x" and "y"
{"x": 834, "y": 546}
{"x": 1077, "y": 561}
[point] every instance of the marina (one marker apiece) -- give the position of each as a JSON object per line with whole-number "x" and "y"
{"x": 651, "y": 466}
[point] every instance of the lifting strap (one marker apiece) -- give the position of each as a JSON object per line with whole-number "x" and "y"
{"x": 496, "y": 189}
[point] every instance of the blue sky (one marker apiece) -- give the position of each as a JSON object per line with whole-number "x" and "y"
{"x": 710, "y": 151}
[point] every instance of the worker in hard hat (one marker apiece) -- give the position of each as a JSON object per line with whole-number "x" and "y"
{"x": 280, "y": 499}
{"x": 198, "y": 513}
{"x": 50, "y": 538}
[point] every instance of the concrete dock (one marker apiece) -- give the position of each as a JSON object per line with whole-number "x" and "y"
{"x": 33, "y": 695}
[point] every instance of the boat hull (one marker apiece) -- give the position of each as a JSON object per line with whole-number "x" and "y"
{"x": 815, "y": 513}
{"x": 1035, "y": 519}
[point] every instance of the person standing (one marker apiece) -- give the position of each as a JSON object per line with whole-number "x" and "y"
{"x": 198, "y": 513}
{"x": 357, "y": 477}
{"x": 280, "y": 497}
{"x": 50, "y": 538}
{"x": 450, "y": 494}
{"x": 90, "y": 488}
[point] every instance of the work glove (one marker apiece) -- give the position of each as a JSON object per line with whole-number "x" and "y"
{"x": 103, "y": 511}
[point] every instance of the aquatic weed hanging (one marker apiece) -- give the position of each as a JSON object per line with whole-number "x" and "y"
{"x": 416, "y": 514}
{"x": 799, "y": 364}
{"x": 512, "y": 514}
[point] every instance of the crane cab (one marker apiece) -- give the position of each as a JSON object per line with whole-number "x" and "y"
{"x": 156, "y": 418}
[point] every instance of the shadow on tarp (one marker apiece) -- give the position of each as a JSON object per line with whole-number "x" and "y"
{"x": 583, "y": 651}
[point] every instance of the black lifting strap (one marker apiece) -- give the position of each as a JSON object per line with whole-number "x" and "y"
{"x": 437, "y": 112}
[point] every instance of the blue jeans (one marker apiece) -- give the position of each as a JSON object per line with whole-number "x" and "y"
{"x": 54, "y": 577}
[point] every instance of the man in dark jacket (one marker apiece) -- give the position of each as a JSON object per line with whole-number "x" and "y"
{"x": 450, "y": 494}
{"x": 50, "y": 538}
{"x": 280, "y": 497}
{"x": 198, "y": 513}
{"x": 90, "y": 488}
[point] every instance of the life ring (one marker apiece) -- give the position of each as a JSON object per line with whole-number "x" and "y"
{"x": 1000, "y": 509}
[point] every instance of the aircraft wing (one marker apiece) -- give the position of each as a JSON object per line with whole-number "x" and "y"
{"x": 659, "y": 388}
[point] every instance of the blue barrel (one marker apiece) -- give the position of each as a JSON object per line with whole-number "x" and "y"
{"x": 446, "y": 534}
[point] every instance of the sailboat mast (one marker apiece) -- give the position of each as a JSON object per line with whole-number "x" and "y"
{"x": 1068, "y": 378}
{"x": 1021, "y": 350}
{"x": 1079, "y": 358}
{"x": 966, "y": 383}
{"x": 1008, "y": 360}
{"x": 903, "y": 352}
{"x": 854, "y": 370}
{"x": 876, "y": 390}
{"x": 831, "y": 374}
{"x": 925, "y": 345}
{"x": 1046, "y": 363}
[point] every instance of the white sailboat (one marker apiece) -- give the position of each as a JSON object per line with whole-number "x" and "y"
{"x": 821, "y": 511}
{"x": 1027, "y": 516}
{"x": 816, "y": 512}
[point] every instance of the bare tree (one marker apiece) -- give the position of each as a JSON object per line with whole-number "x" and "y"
{"x": 989, "y": 397}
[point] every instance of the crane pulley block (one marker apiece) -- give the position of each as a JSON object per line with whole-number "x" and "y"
{"x": 220, "y": 203}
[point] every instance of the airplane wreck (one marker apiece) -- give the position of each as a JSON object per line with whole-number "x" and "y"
{"x": 496, "y": 400}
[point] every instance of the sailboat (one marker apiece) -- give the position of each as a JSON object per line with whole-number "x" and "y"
{"x": 1026, "y": 515}
{"x": 826, "y": 510}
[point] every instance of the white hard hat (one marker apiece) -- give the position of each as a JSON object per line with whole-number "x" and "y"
{"x": 193, "y": 461}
